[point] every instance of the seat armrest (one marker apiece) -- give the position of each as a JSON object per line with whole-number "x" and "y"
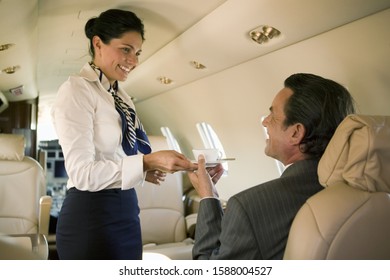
{"x": 44, "y": 214}
{"x": 190, "y": 224}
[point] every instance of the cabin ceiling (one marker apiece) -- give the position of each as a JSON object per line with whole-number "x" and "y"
{"x": 50, "y": 43}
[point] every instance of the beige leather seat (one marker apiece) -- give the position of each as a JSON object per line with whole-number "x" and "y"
{"x": 350, "y": 218}
{"x": 23, "y": 247}
{"x": 24, "y": 205}
{"x": 165, "y": 229}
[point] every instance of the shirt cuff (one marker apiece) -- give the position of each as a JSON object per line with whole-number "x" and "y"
{"x": 133, "y": 174}
{"x": 208, "y": 197}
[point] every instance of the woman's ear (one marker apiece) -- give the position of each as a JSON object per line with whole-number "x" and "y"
{"x": 97, "y": 43}
{"x": 297, "y": 133}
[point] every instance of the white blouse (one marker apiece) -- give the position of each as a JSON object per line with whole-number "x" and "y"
{"x": 89, "y": 132}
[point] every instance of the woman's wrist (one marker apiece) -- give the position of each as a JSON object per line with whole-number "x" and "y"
{"x": 146, "y": 163}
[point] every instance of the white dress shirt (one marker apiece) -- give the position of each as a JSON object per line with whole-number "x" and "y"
{"x": 89, "y": 132}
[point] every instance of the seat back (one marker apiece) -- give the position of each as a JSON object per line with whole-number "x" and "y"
{"x": 161, "y": 207}
{"x": 350, "y": 218}
{"x": 22, "y": 189}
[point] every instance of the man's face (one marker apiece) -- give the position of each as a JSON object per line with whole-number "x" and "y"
{"x": 278, "y": 144}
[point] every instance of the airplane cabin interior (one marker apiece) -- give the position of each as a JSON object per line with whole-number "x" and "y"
{"x": 207, "y": 75}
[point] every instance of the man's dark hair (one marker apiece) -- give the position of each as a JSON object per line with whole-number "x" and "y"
{"x": 320, "y": 105}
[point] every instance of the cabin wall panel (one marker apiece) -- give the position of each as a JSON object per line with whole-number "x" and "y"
{"x": 356, "y": 55}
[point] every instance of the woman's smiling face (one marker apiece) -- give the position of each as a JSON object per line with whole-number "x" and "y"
{"x": 117, "y": 58}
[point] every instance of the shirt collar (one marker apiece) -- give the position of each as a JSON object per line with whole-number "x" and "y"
{"x": 103, "y": 79}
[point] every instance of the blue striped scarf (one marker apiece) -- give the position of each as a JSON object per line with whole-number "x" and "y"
{"x": 134, "y": 136}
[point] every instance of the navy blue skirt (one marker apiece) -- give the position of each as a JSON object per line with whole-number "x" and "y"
{"x": 100, "y": 225}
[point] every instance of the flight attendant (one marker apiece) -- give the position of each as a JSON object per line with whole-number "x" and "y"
{"x": 106, "y": 149}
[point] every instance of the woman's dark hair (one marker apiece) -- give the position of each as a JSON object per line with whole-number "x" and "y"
{"x": 112, "y": 24}
{"x": 320, "y": 105}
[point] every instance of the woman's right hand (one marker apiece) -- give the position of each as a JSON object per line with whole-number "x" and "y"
{"x": 168, "y": 161}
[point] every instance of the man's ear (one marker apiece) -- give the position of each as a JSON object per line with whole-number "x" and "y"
{"x": 297, "y": 133}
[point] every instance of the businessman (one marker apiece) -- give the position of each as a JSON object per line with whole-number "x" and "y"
{"x": 255, "y": 225}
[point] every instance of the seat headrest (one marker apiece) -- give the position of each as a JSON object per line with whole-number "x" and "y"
{"x": 11, "y": 147}
{"x": 358, "y": 154}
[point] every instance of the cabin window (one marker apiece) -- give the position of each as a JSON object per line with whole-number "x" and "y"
{"x": 211, "y": 140}
{"x": 172, "y": 142}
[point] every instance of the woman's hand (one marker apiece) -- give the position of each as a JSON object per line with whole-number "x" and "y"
{"x": 204, "y": 180}
{"x": 168, "y": 161}
{"x": 155, "y": 176}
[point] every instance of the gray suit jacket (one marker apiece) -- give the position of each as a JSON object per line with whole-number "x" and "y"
{"x": 257, "y": 221}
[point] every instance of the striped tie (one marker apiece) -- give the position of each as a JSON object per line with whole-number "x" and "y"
{"x": 134, "y": 136}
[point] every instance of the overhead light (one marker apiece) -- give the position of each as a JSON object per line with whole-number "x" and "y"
{"x": 198, "y": 65}
{"x": 165, "y": 80}
{"x": 270, "y": 32}
{"x": 6, "y": 47}
{"x": 11, "y": 69}
{"x": 259, "y": 37}
{"x": 264, "y": 33}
